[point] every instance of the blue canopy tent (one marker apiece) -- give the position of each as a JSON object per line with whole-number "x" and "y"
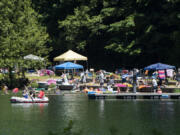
{"x": 69, "y": 65}
{"x": 159, "y": 66}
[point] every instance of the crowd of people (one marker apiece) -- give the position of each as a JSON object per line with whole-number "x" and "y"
{"x": 156, "y": 80}
{"x": 126, "y": 79}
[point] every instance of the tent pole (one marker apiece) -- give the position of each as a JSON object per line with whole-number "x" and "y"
{"x": 134, "y": 80}
{"x": 75, "y": 63}
{"x": 73, "y": 73}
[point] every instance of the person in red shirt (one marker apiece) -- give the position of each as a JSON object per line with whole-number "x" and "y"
{"x": 41, "y": 94}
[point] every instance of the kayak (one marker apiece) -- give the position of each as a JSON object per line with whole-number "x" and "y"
{"x": 29, "y": 100}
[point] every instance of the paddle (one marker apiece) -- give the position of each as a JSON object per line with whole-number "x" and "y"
{"x": 31, "y": 95}
{"x": 32, "y": 98}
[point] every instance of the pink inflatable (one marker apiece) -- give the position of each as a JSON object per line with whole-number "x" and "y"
{"x": 120, "y": 85}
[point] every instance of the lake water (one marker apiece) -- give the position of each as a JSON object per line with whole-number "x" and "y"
{"x": 90, "y": 117}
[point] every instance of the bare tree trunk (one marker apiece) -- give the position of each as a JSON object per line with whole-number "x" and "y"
{"x": 10, "y": 77}
{"x": 23, "y": 73}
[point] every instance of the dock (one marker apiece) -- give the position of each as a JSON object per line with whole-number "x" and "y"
{"x": 135, "y": 96}
{"x": 123, "y": 89}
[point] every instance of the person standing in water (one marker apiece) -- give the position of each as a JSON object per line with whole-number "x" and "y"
{"x": 5, "y": 89}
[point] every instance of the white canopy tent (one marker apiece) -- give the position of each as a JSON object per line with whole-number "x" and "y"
{"x": 70, "y": 56}
{"x": 33, "y": 57}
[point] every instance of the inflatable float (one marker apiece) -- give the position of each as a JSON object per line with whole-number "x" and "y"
{"x": 29, "y": 100}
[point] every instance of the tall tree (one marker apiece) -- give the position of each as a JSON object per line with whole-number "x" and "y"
{"x": 21, "y": 34}
{"x": 157, "y": 29}
{"x": 139, "y": 31}
{"x": 143, "y": 28}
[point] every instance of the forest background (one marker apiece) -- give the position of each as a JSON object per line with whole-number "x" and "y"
{"x": 111, "y": 33}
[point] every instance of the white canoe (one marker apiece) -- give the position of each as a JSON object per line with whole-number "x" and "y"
{"x": 29, "y": 100}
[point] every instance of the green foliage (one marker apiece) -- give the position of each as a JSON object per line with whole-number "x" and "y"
{"x": 15, "y": 82}
{"x": 128, "y": 27}
{"x": 52, "y": 85}
{"x": 86, "y": 23}
{"x": 34, "y": 85}
{"x": 67, "y": 130}
{"x": 146, "y": 29}
{"x": 21, "y": 33}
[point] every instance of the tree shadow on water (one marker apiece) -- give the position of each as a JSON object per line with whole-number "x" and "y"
{"x": 68, "y": 130}
{"x": 156, "y": 132}
{"x": 153, "y": 132}
{"x": 112, "y": 131}
{"x": 52, "y": 133}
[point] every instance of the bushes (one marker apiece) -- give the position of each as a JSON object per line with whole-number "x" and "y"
{"x": 34, "y": 85}
{"x": 15, "y": 82}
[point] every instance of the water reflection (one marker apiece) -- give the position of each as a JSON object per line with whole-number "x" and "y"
{"x": 101, "y": 108}
{"x": 28, "y": 105}
{"x": 97, "y": 117}
{"x": 27, "y": 108}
